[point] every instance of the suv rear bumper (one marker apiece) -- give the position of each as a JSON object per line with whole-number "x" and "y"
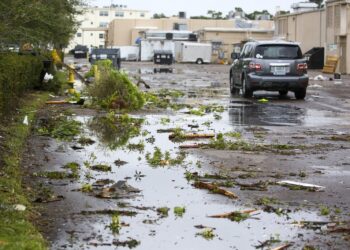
{"x": 277, "y": 83}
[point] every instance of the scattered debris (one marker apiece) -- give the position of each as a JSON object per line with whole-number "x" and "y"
{"x": 282, "y": 247}
{"x": 163, "y": 211}
{"x": 215, "y": 189}
{"x": 164, "y": 159}
{"x": 319, "y": 78}
{"x": 109, "y": 211}
{"x": 120, "y": 163}
{"x": 49, "y": 198}
{"x": 119, "y": 190}
{"x": 179, "y": 211}
{"x": 207, "y": 233}
{"x": 102, "y": 168}
{"x": 19, "y": 207}
{"x": 102, "y": 183}
{"x": 259, "y": 186}
{"x": 85, "y": 141}
{"x": 57, "y": 175}
{"x": 345, "y": 138}
{"x": 182, "y": 137}
{"x": 263, "y": 100}
{"x": 301, "y": 186}
{"x": 236, "y": 216}
{"x": 115, "y": 225}
{"x": 86, "y": 188}
{"x": 192, "y": 146}
{"x": 131, "y": 243}
{"x": 268, "y": 243}
{"x": 165, "y": 131}
{"x": 25, "y": 120}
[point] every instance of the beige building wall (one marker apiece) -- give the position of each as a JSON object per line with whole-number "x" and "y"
{"x": 328, "y": 28}
{"x": 123, "y": 32}
{"x": 229, "y": 37}
{"x": 307, "y": 28}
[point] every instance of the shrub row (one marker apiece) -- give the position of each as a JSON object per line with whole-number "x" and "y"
{"x": 18, "y": 74}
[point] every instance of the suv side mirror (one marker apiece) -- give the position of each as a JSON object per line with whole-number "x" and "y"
{"x": 235, "y": 56}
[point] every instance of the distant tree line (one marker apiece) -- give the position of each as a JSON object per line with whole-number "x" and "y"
{"x": 39, "y": 22}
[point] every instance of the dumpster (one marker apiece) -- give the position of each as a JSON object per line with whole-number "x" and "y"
{"x": 315, "y": 58}
{"x": 164, "y": 57}
{"x": 80, "y": 51}
{"x": 103, "y": 54}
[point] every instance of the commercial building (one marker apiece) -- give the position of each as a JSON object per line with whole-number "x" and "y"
{"x": 225, "y": 39}
{"x": 94, "y": 22}
{"x": 327, "y": 27}
{"x": 126, "y": 32}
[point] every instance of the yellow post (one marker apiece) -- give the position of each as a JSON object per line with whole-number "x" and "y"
{"x": 96, "y": 73}
{"x": 56, "y": 58}
{"x": 71, "y": 79}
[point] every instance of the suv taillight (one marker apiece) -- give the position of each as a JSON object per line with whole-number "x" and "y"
{"x": 255, "y": 66}
{"x": 302, "y": 66}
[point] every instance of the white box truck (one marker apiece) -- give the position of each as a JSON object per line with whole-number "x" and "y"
{"x": 194, "y": 52}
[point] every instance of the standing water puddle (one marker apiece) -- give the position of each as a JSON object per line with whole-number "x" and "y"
{"x": 160, "y": 187}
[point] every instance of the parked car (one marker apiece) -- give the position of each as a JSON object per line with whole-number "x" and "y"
{"x": 271, "y": 66}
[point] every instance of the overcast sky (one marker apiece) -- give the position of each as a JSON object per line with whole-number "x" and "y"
{"x": 198, "y": 7}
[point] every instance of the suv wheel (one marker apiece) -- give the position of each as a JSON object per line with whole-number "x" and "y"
{"x": 233, "y": 89}
{"x": 199, "y": 61}
{"x": 246, "y": 92}
{"x": 283, "y": 92}
{"x": 300, "y": 94}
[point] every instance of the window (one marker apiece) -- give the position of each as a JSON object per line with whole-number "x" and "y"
{"x": 278, "y": 52}
{"x": 103, "y": 24}
{"x": 119, "y": 13}
{"x": 103, "y": 13}
{"x": 101, "y": 35}
{"x": 248, "y": 51}
{"x": 142, "y": 14}
{"x": 180, "y": 26}
{"x": 78, "y": 34}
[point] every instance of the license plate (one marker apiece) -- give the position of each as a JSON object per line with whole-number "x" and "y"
{"x": 279, "y": 70}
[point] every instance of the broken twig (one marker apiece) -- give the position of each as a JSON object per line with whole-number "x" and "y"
{"x": 215, "y": 189}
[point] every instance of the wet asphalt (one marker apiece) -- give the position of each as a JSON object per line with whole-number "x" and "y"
{"x": 285, "y": 121}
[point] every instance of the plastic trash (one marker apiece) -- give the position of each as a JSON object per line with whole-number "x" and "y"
{"x": 48, "y": 77}
{"x": 302, "y": 185}
{"x": 19, "y": 207}
{"x": 263, "y": 100}
{"x": 319, "y": 78}
{"x": 25, "y": 121}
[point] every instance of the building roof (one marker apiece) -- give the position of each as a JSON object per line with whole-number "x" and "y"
{"x": 275, "y": 42}
{"x": 237, "y": 30}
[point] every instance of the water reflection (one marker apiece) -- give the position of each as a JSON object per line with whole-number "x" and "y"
{"x": 115, "y": 132}
{"x": 265, "y": 114}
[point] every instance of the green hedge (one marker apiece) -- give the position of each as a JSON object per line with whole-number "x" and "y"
{"x": 18, "y": 74}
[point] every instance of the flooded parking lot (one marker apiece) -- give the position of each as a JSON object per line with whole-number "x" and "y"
{"x": 133, "y": 186}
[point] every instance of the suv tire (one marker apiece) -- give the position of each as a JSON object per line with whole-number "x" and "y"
{"x": 233, "y": 89}
{"x": 283, "y": 92}
{"x": 300, "y": 94}
{"x": 246, "y": 92}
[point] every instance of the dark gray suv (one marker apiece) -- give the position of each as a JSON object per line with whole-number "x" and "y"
{"x": 269, "y": 65}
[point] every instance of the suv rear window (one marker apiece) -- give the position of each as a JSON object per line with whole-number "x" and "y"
{"x": 272, "y": 51}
